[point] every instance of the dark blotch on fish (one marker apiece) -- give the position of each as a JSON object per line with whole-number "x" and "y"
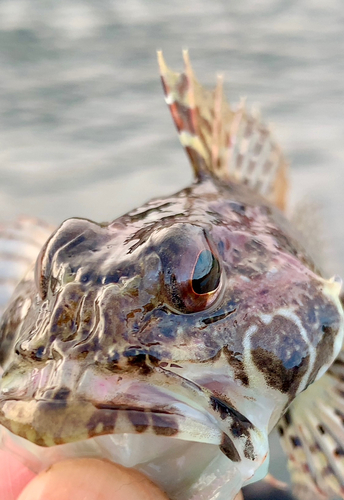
{"x": 287, "y": 418}
{"x": 139, "y": 362}
{"x": 339, "y": 414}
{"x": 112, "y": 277}
{"x": 276, "y": 374}
{"x": 139, "y": 419}
{"x": 227, "y": 447}
{"x": 105, "y": 417}
{"x": 164, "y": 425}
{"x": 62, "y": 394}
{"x": 280, "y": 430}
{"x": 237, "y": 365}
{"x": 339, "y": 451}
{"x": 249, "y": 450}
{"x": 321, "y": 429}
{"x": 240, "y": 425}
{"x": 295, "y": 441}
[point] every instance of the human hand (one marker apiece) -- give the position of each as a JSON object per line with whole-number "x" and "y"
{"x": 78, "y": 479}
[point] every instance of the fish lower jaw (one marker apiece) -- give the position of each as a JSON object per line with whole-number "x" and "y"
{"x": 184, "y": 470}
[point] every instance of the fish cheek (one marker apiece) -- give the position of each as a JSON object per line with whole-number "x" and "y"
{"x": 280, "y": 354}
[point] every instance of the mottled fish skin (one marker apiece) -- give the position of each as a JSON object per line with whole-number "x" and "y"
{"x": 212, "y": 281}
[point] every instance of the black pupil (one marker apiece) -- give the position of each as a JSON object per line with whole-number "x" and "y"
{"x": 206, "y": 276}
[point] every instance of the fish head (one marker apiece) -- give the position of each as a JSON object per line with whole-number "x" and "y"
{"x": 199, "y": 316}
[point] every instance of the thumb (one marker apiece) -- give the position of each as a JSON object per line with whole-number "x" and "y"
{"x": 91, "y": 479}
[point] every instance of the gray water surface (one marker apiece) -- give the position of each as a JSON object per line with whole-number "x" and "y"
{"x": 84, "y": 130}
{"x": 83, "y": 126}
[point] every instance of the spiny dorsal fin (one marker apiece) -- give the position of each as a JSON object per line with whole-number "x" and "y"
{"x": 232, "y": 145}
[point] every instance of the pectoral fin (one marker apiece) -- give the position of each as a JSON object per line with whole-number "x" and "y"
{"x": 312, "y": 435}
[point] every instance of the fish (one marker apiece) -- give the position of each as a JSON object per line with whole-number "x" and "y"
{"x": 176, "y": 337}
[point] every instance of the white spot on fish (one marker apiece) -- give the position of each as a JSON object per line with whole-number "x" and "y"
{"x": 266, "y": 318}
{"x": 245, "y": 278}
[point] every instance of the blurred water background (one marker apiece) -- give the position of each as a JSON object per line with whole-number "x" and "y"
{"x": 84, "y": 130}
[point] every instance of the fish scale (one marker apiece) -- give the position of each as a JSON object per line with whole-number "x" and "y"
{"x": 193, "y": 321}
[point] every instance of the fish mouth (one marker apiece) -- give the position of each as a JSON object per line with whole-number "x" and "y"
{"x": 47, "y": 411}
{"x": 161, "y": 403}
{"x": 130, "y": 419}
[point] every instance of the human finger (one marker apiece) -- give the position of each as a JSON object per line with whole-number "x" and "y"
{"x": 14, "y": 476}
{"x": 91, "y": 479}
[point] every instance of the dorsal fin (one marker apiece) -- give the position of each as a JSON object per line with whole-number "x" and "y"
{"x": 232, "y": 145}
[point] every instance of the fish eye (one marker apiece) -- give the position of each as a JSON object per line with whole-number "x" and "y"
{"x": 191, "y": 271}
{"x": 206, "y": 274}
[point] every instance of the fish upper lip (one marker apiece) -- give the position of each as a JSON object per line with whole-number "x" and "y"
{"x": 122, "y": 391}
{"x": 131, "y": 405}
